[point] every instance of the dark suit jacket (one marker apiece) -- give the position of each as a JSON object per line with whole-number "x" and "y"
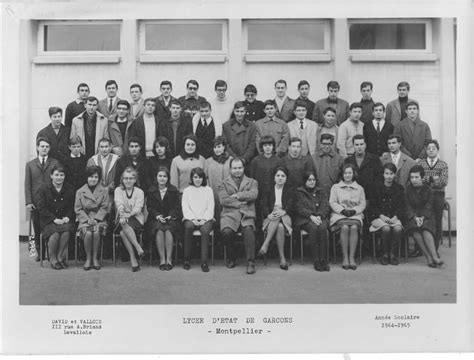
{"x": 59, "y": 143}
{"x": 286, "y": 112}
{"x": 170, "y": 205}
{"x": 388, "y": 202}
{"x": 162, "y": 111}
{"x": 341, "y": 107}
{"x": 137, "y": 129}
{"x": 377, "y": 143}
{"x": 35, "y": 176}
{"x": 268, "y": 200}
{"x": 369, "y": 172}
{"x": 185, "y": 127}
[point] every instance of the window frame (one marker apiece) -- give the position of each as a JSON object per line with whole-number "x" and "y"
{"x": 183, "y": 56}
{"x": 323, "y": 55}
{"x": 79, "y": 56}
{"x": 394, "y": 54}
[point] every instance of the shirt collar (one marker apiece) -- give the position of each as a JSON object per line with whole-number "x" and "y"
{"x": 74, "y": 157}
{"x": 245, "y": 122}
{"x": 435, "y": 160}
{"x": 342, "y": 184}
{"x": 40, "y": 158}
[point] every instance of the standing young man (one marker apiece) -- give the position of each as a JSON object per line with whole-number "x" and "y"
{"x": 275, "y": 127}
{"x": 57, "y": 135}
{"x": 348, "y": 129}
{"x": 303, "y": 128}
{"x": 402, "y": 161}
{"x": 119, "y": 125}
{"x": 191, "y": 101}
{"x": 396, "y": 109}
{"x": 77, "y": 106}
{"x": 284, "y": 105}
{"x": 222, "y": 106}
{"x": 254, "y": 107}
{"x": 339, "y": 105}
{"x": 108, "y": 106}
{"x": 206, "y": 128}
{"x": 136, "y": 106}
{"x": 145, "y": 128}
{"x": 367, "y": 102}
{"x": 377, "y": 131}
{"x": 163, "y": 102}
{"x": 303, "y": 89}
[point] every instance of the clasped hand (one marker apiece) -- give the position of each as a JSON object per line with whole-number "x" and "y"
{"x": 276, "y": 214}
{"x": 348, "y": 213}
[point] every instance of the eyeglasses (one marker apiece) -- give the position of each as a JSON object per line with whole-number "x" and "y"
{"x": 326, "y": 144}
{"x": 192, "y": 88}
{"x": 129, "y": 178}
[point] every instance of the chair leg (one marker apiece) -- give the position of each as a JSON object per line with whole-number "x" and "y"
{"x": 334, "y": 248}
{"x": 212, "y": 249}
{"x": 406, "y": 248}
{"x": 41, "y": 250}
{"x": 75, "y": 250}
{"x": 113, "y": 251}
{"x": 301, "y": 252}
{"x": 225, "y": 255}
{"x": 373, "y": 245}
{"x": 102, "y": 250}
{"x": 291, "y": 249}
{"x": 449, "y": 223}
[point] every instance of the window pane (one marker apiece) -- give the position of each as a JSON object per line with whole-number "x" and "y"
{"x": 290, "y": 36}
{"x": 387, "y": 36}
{"x": 86, "y": 37}
{"x": 183, "y": 37}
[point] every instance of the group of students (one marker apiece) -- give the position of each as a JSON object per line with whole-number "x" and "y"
{"x": 194, "y": 166}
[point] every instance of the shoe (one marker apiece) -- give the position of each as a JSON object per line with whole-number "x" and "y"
{"x": 346, "y": 267}
{"x": 251, "y": 267}
{"x": 63, "y": 264}
{"x": 163, "y": 267}
{"x": 168, "y": 266}
{"x": 353, "y": 267}
{"x": 384, "y": 260}
{"x": 135, "y": 268}
{"x": 325, "y": 265}
{"x": 394, "y": 261}
{"x": 37, "y": 258}
{"x": 439, "y": 263}
{"x": 284, "y": 267}
{"x": 205, "y": 267}
{"x": 415, "y": 253}
{"x": 317, "y": 265}
{"x": 96, "y": 267}
{"x": 56, "y": 266}
{"x": 230, "y": 264}
{"x": 432, "y": 265}
{"x": 87, "y": 268}
{"x": 186, "y": 265}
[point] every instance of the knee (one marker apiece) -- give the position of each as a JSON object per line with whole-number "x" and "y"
{"x": 188, "y": 225}
{"x": 397, "y": 230}
{"x": 385, "y": 230}
{"x": 344, "y": 228}
{"x": 280, "y": 227}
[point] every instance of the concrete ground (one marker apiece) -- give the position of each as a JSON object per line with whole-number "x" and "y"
{"x": 412, "y": 282}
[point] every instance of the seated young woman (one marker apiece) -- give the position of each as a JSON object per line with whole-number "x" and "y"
{"x": 129, "y": 201}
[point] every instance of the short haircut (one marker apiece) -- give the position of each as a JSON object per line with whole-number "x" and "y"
{"x": 239, "y": 104}
{"x": 390, "y": 166}
{"x": 307, "y": 174}
{"x": 149, "y": 100}
{"x": 327, "y": 136}
{"x": 219, "y": 140}
{"x": 54, "y": 110}
{"x": 412, "y": 103}
{"x": 333, "y": 85}
{"x": 220, "y": 83}
{"x": 194, "y": 82}
{"x": 74, "y": 140}
{"x": 205, "y": 104}
{"x": 175, "y": 102}
{"x": 329, "y": 109}
{"x": 417, "y": 169}
{"x": 104, "y": 139}
{"x": 199, "y": 172}
{"x": 123, "y": 102}
{"x": 134, "y": 139}
{"x": 136, "y": 86}
{"x": 162, "y": 141}
{"x": 280, "y": 168}
{"x": 42, "y": 139}
{"x": 250, "y": 89}
{"x": 269, "y": 102}
{"x": 393, "y": 136}
{"x": 82, "y": 85}
{"x": 266, "y": 139}
{"x": 234, "y": 159}
{"x": 365, "y": 84}
{"x": 358, "y": 137}
{"x": 166, "y": 82}
{"x": 377, "y": 104}
{"x": 92, "y": 99}
{"x": 294, "y": 139}
{"x": 432, "y": 141}
{"x": 132, "y": 171}
{"x": 111, "y": 82}
{"x": 302, "y": 82}
{"x": 300, "y": 103}
{"x": 355, "y": 105}
{"x": 354, "y": 170}
{"x": 403, "y": 84}
{"x": 92, "y": 170}
{"x": 165, "y": 170}
{"x": 59, "y": 168}
{"x": 281, "y": 81}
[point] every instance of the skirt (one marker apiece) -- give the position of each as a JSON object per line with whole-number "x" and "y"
{"x": 156, "y": 225}
{"x": 133, "y": 222}
{"x": 338, "y": 225}
{"x": 378, "y": 223}
{"x": 52, "y": 228}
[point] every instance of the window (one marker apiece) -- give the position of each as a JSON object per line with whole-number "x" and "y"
{"x": 390, "y": 39}
{"x": 183, "y": 41}
{"x": 286, "y": 40}
{"x": 78, "y": 41}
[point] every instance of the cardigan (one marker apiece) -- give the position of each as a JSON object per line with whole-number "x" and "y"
{"x": 346, "y": 197}
{"x": 216, "y": 173}
{"x": 133, "y": 206}
{"x": 198, "y": 203}
{"x": 181, "y": 170}
{"x": 347, "y": 130}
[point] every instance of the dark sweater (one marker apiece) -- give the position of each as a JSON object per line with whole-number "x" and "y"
{"x": 76, "y": 171}
{"x": 261, "y": 169}
{"x": 296, "y": 168}
{"x": 205, "y": 135}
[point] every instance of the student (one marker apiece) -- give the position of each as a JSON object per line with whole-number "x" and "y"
{"x": 187, "y": 160}
{"x": 254, "y": 107}
{"x": 162, "y": 158}
{"x": 296, "y": 163}
{"x": 303, "y": 128}
{"x": 275, "y": 127}
{"x": 221, "y": 105}
{"x": 348, "y": 129}
{"x": 327, "y": 163}
{"x": 108, "y": 106}
{"x": 57, "y": 134}
{"x": 303, "y": 89}
{"x": 284, "y": 105}
{"x": 75, "y": 164}
{"x": 191, "y": 101}
{"x": 119, "y": 127}
{"x": 37, "y": 172}
{"x": 146, "y": 128}
{"x": 367, "y": 102}
{"x": 136, "y": 105}
{"x": 77, "y": 106}
{"x": 134, "y": 159}
{"x": 377, "y": 131}
{"x": 90, "y": 126}
{"x": 328, "y": 127}
{"x": 206, "y": 127}
{"x": 163, "y": 101}
{"x": 402, "y": 161}
{"x": 341, "y": 106}
{"x": 396, "y": 109}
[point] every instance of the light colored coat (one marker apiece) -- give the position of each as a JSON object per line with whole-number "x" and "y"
{"x": 101, "y": 130}
{"x": 403, "y": 169}
{"x": 103, "y": 107}
{"x": 116, "y": 136}
{"x": 311, "y": 133}
{"x": 92, "y": 205}
{"x": 346, "y": 197}
{"x": 413, "y": 142}
{"x": 239, "y": 211}
{"x": 216, "y": 173}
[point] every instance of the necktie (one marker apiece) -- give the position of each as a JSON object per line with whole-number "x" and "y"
{"x": 110, "y": 105}
{"x": 205, "y": 122}
{"x": 301, "y": 125}
{"x": 43, "y": 162}
{"x": 378, "y": 127}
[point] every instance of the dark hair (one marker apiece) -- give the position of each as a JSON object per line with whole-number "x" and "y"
{"x": 239, "y": 104}
{"x": 136, "y": 86}
{"x": 176, "y": 102}
{"x": 218, "y": 141}
{"x": 358, "y": 137}
{"x": 365, "y": 84}
{"x": 194, "y": 82}
{"x": 250, "y": 88}
{"x": 54, "y": 110}
{"x": 412, "y": 103}
{"x": 355, "y": 105}
{"x": 281, "y": 81}
{"x": 329, "y": 109}
{"x": 149, "y": 99}
{"x": 92, "y": 99}
{"x": 38, "y": 140}
{"x": 267, "y": 139}
{"x": 59, "y": 168}
{"x": 269, "y": 102}
{"x": 205, "y": 104}
{"x": 300, "y": 103}
{"x": 377, "y": 104}
{"x": 92, "y": 170}
{"x": 75, "y": 140}
{"x": 166, "y": 82}
{"x": 82, "y": 85}
{"x": 393, "y": 136}
{"x": 417, "y": 169}
{"x": 234, "y": 159}
{"x": 327, "y": 136}
{"x": 432, "y": 141}
{"x": 403, "y": 84}
{"x": 134, "y": 139}
{"x": 111, "y": 82}
{"x": 220, "y": 83}
{"x": 307, "y": 174}
{"x": 390, "y": 166}
{"x": 199, "y": 172}
{"x": 193, "y": 138}
{"x": 294, "y": 139}
{"x": 162, "y": 141}
{"x": 123, "y": 102}
{"x": 280, "y": 168}
{"x": 104, "y": 139}
{"x": 165, "y": 170}
{"x": 333, "y": 85}
{"x": 354, "y": 171}
{"x": 302, "y": 82}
